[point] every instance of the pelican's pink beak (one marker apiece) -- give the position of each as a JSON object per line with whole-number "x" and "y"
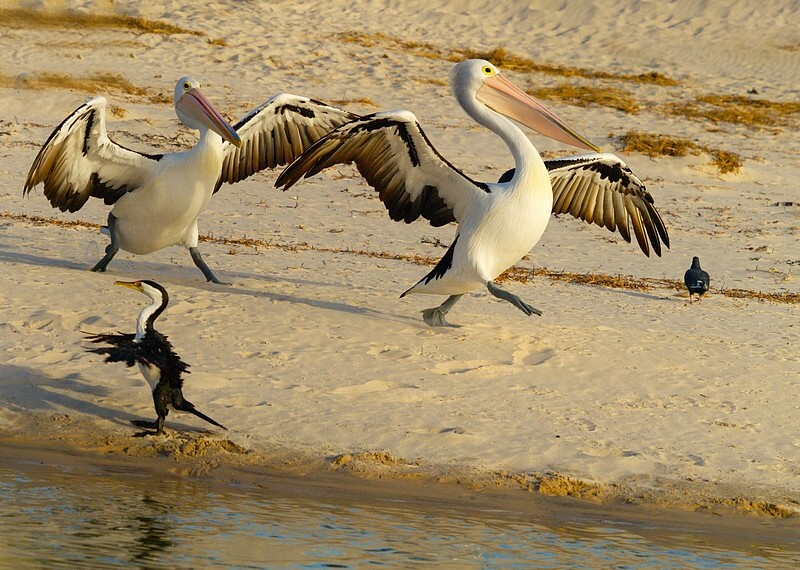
{"x": 501, "y": 95}
{"x": 196, "y": 105}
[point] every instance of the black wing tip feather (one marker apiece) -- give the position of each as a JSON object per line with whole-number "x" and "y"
{"x": 59, "y": 192}
{"x": 300, "y": 168}
{"x": 202, "y": 416}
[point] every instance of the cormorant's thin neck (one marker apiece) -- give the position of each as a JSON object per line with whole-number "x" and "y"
{"x": 148, "y": 315}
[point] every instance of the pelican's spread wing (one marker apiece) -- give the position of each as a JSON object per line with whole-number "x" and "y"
{"x": 600, "y": 189}
{"x": 396, "y": 158}
{"x": 277, "y": 132}
{"x": 79, "y": 160}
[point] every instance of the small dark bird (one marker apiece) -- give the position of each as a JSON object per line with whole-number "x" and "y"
{"x": 153, "y": 353}
{"x": 696, "y": 280}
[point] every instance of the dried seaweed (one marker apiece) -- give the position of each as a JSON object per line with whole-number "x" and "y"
{"x": 655, "y": 144}
{"x": 738, "y": 110}
{"x": 516, "y": 274}
{"x": 89, "y": 83}
{"x": 22, "y": 18}
{"x": 500, "y": 56}
{"x": 583, "y": 95}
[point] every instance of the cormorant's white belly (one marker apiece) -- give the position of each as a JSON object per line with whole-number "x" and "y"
{"x": 151, "y": 373}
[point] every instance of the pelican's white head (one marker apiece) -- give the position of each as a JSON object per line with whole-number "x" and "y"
{"x": 196, "y": 112}
{"x": 477, "y": 81}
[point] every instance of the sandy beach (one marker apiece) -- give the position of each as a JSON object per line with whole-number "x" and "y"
{"x": 621, "y": 391}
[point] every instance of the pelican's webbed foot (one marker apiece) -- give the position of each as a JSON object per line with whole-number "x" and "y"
{"x": 112, "y": 248}
{"x": 435, "y": 317}
{"x": 513, "y": 299}
{"x": 202, "y": 266}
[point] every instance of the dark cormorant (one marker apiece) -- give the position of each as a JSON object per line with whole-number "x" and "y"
{"x": 153, "y": 353}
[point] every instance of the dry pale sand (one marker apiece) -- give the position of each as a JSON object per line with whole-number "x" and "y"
{"x": 310, "y": 358}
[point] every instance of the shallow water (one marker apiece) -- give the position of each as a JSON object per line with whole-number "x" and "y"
{"x": 58, "y": 517}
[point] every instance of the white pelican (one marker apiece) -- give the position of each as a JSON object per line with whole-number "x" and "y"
{"x": 498, "y": 223}
{"x": 153, "y": 353}
{"x": 158, "y": 198}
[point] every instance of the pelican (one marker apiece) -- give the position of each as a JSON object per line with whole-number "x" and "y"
{"x": 498, "y": 223}
{"x": 157, "y": 198}
{"x": 153, "y": 353}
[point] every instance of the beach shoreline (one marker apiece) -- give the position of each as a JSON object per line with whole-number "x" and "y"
{"x": 721, "y": 525}
{"x": 216, "y": 459}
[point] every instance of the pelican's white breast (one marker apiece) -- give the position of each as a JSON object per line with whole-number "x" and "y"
{"x": 164, "y": 211}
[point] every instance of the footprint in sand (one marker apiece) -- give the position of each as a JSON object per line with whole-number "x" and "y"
{"x": 462, "y": 366}
{"x": 394, "y": 392}
{"x": 393, "y": 353}
{"x": 38, "y": 321}
{"x": 44, "y": 355}
{"x": 533, "y": 354}
{"x": 696, "y": 460}
{"x": 457, "y": 430}
{"x": 529, "y": 354}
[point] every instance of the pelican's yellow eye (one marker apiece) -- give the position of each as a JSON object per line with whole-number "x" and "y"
{"x": 187, "y": 85}
{"x": 488, "y": 70}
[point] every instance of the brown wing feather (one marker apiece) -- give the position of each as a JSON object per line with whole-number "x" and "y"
{"x": 275, "y": 133}
{"x": 600, "y": 189}
{"x": 395, "y": 157}
{"x": 78, "y": 161}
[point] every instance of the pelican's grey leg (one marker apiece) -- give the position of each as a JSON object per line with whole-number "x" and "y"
{"x": 513, "y": 299}
{"x": 198, "y": 261}
{"x": 112, "y": 248}
{"x": 435, "y": 317}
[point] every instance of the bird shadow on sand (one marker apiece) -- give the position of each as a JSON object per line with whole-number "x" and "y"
{"x": 15, "y": 256}
{"x": 122, "y": 268}
{"x": 642, "y": 295}
{"x": 30, "y": 389}
{"x": 321, "y": 304}
{"x": 25, "y": 389}
{"x": 167, "y": 274}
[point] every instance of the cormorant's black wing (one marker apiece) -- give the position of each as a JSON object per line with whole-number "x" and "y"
{"x": 121, "y": 347}
{"x": 157, "y": 349}
{"x": 154, "y": 349}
